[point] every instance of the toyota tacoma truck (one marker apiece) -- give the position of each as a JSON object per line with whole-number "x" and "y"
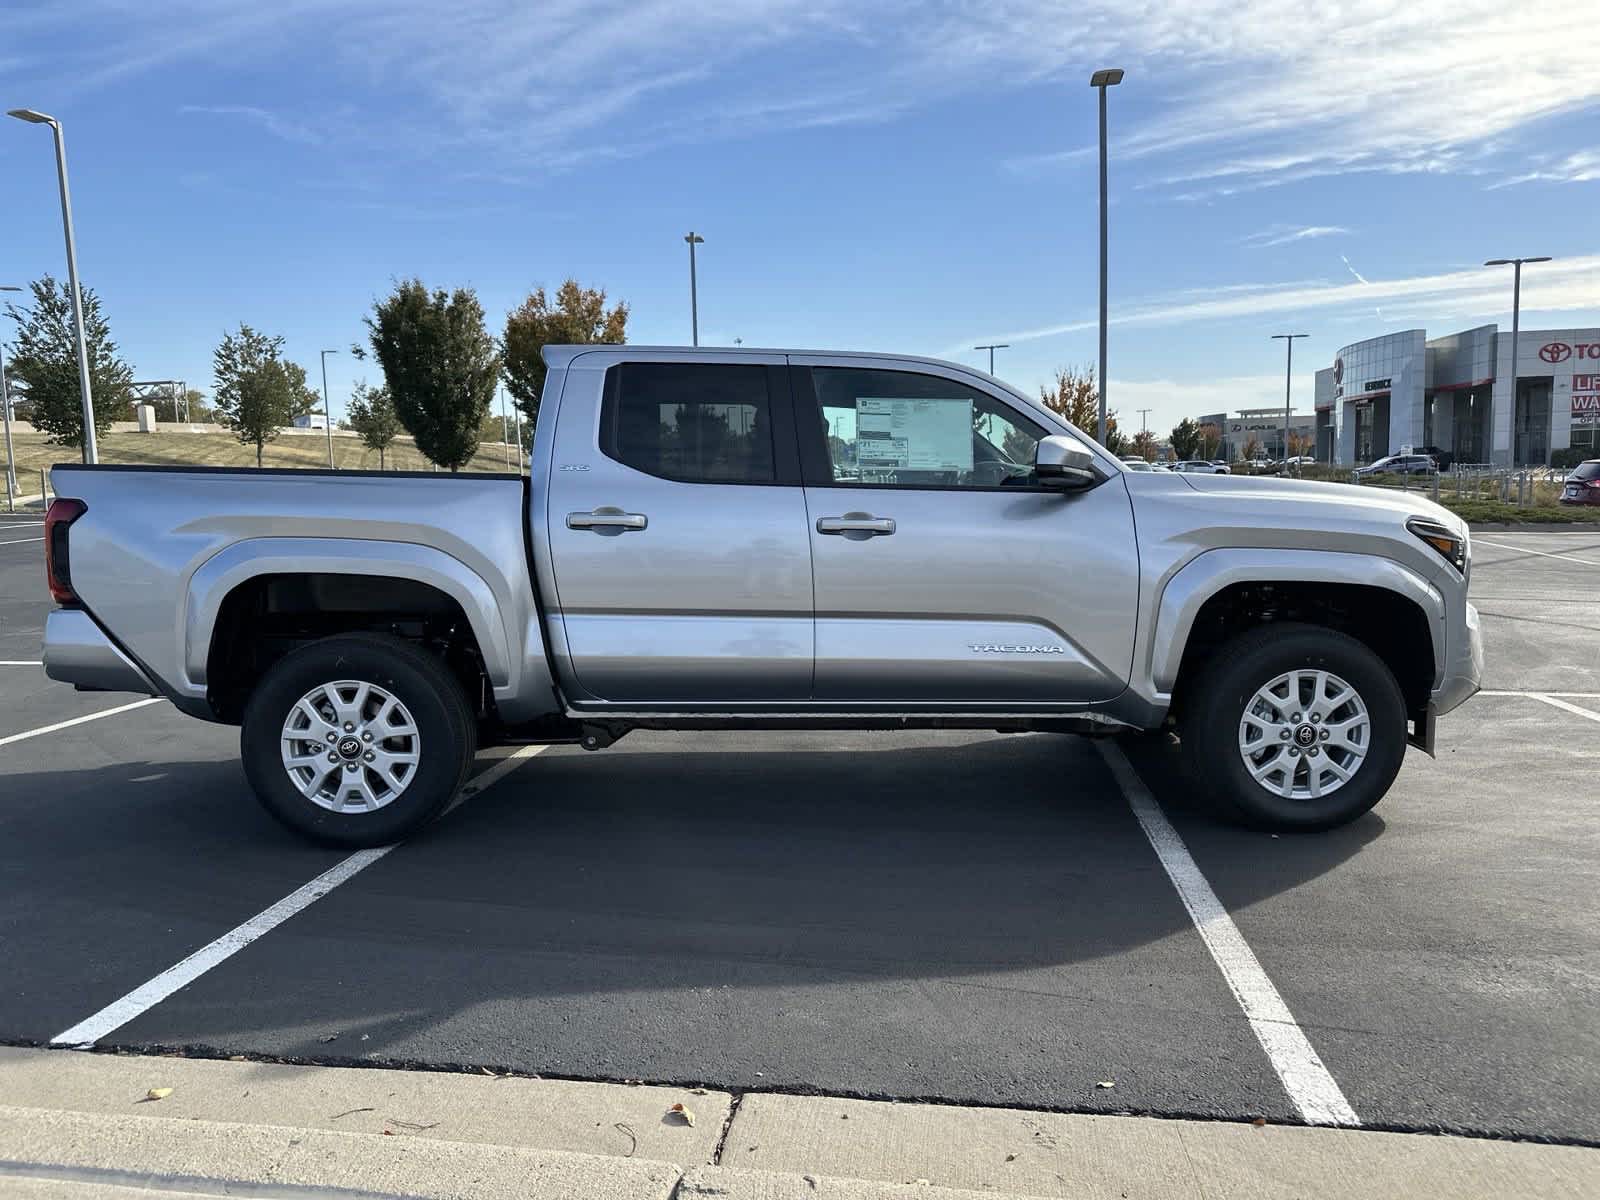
{"x": 772, "y": 540}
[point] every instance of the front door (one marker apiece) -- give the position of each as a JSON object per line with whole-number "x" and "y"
{"x": 944, "y": 575}
{"x": 677, "y": 534}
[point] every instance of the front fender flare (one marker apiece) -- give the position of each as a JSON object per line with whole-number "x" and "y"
{"x": 1203, "y": 576}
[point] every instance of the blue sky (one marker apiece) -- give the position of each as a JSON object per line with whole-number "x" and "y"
{"x": 889, "y": 176}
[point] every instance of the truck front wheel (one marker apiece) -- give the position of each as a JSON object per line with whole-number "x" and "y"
{"x": 1294, "y": 727}
{"x": 357, "y": 740}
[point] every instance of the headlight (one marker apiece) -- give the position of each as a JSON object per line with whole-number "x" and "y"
{"x": 1450, "y": 545}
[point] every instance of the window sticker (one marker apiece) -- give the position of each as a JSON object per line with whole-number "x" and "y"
{"x": 913, "y": 435}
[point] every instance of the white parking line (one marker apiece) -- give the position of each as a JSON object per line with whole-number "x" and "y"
{"x": 19, "y": 541}
{"x": 1540, "y": 695}
{"x": 1310, "y": 1086}
{"x": 1562, "y": 704}
{"x": 1541, "y": 553}
{"x": 95, "y": 716}
{"x": 152, "y": 992}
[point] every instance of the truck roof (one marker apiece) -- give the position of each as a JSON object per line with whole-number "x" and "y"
{"x": 560, "y": 356}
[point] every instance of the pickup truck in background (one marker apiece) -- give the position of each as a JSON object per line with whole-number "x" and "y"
{"x": 749, "y": 539}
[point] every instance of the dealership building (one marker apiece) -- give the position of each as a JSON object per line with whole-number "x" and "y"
{"x": 1252, "y": 431}
{"x": 1407, "y": 390}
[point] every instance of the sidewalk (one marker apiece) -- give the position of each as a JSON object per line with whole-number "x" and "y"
{"x": 76, "y": 1126}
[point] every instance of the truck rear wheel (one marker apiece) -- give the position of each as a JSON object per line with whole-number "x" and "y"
{"x": 1294, "y": 727}
{"x": 357, "y": 740}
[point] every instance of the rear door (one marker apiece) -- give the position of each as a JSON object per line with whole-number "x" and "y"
{"x": 945, "y": 576}
{"x": 677, "y": 533}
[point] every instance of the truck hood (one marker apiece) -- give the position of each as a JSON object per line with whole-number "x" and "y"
{"x": 1321, "y": 503}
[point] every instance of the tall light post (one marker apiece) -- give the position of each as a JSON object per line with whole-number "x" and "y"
{"x": 327, "y": 409}
{"x": 991, "y": 348}
{"x": 694, "y": 239}
{"x": 5, "y": 406}
{"x": 1516, "y": 328}
{"x": 1288, "y": 376}
{"x": 1102, "y": 80}
{"x": 90, "y": 453}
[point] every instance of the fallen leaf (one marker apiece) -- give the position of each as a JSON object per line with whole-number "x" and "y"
{"x": 1259, "y": 1121}
{"x": 1011, "y": 1158}
{"x": 678, "y": 1110}
{"x": 1106, "y": 1083}
{"x": 158, "y": 1093}
{"x": 347, "y": 1112}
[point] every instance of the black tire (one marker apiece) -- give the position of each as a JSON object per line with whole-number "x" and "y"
{"x": 1215, "y": 703}
{"x": 444, "y": 722}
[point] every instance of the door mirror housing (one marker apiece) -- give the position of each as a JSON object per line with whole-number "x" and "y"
{"x": 1062, "y": 461}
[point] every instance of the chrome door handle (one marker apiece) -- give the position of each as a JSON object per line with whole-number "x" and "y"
{"x": 862, "y": 524}
{"x": 607, "y": 519}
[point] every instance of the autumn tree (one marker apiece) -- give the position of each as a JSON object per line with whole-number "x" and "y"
{"x": 1299, "y": 443}
{"x": 578, "y": 317}
{"x": 440, "y": 365}
{"x": 373, "y": 418}
{"x": 1210, "y": 441}
{"x": 257, "y": 392}
{"x": 1076, "y": 397}
{"x": 1252, "y": 448}
{"x": 43, "y": 364}
{"x": 1144, "y": 445}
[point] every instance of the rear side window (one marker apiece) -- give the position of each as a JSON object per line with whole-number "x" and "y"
{"x": 1588, "y": 470}
{"x": 695, "y": 422}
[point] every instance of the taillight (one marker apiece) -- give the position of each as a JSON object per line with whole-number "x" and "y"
{"x": 1594, "y": 483}
{"x": 57, "y": 564}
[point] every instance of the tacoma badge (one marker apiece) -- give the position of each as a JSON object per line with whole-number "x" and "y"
{"x": 999, "y": 648}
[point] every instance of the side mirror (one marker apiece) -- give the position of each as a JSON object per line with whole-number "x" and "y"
{"x": 1062, "y": 461}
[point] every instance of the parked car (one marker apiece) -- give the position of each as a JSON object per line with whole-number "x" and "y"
{"x": 1198, "y": 466}
{"x": 867, "y": 542}
{"x": 1583, "y": 485}
{"x": 1137, "y": 464}
{"x": 1443, "y": 459}
{"x": 1400, "y": 464}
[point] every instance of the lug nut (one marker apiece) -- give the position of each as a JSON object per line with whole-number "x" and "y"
{"x": 332, "y": 757}
{"x": 332, "y": 737}
{"x": 349, "y": 728}
{"x": 349, "y": 766}
{"x": 1295, "y": 718}
{"x": 1293, "y": 753}
{"x": 1283, "y": 735}
{"x": 1316, "y": 718}
{"x": 365, "y": 736}
{"x": 1312, "y": 752}
{"x": 1323, "y": 735}
{"x": 369, "y": 756}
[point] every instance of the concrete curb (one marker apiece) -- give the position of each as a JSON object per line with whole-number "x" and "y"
{"x": 77, "y": 1126}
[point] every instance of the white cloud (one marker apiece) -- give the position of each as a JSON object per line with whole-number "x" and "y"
{"x": 1234, "y": 96}
{"x": 1282, "y": 235}
{"x": 1582, "y": 166}
{"x": 273, "y": 123}
{"x": 1566, "y": 285}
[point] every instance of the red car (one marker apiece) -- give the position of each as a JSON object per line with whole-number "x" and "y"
{"x": 1583, "y": 485}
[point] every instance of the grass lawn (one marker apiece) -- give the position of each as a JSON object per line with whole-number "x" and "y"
{"x": 173, "y": 449}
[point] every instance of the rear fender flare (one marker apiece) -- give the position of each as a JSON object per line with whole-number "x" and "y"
{"x": 222, "y": 573}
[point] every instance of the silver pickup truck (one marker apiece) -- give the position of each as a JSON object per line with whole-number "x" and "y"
{"x": 760, "y": 539}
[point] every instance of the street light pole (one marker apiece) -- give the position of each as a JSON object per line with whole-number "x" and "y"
{"x": 694, "y": 239}
{"x": 1288, "y": 376}
{"x": 1516, "y": 328}
{"x": 5, "y": 406}
{"x": 327, "y": 409}
{"x": 90, "y": 453}
{"x": 1102, "y": 80}
{"x": 991, "y": 349}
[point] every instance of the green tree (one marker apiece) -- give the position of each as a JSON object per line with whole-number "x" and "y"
{"x": 1186, "y": 439}
{"x": 1076, "y": 398}
{"x": 440, "y": 366}
{"x": 372, "y": 416}
{"x": 257, "y": 393}
{"x": 578, "y": 318}
{"x": 43, "y": 364}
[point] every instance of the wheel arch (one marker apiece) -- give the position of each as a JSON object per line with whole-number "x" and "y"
{"x": 1382, "y": 603}
{"x": 347, "y": 585}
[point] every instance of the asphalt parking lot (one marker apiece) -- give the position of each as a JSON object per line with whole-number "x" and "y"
{"x": 954, "y": 916}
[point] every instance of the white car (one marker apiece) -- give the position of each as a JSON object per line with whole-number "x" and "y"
{"x": 1137, "y": 464}
{"x": 1199, "y": 466}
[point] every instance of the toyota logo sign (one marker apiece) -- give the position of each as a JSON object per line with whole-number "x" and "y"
{"x": 1338, "y": 370}
{"x": 1555, "y": 352}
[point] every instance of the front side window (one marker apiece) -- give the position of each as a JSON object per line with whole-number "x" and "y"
{"x": 695, "y": 422}
{"x": 903, "y": 429}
